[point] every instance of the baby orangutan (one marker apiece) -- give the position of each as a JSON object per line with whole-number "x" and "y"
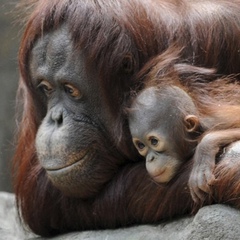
{"x": 167, "y": 130}
{"x": 179, "y": 116}
{"x": 163, "y": 123}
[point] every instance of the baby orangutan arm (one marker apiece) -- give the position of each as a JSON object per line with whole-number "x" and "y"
{"x": 201, "y": 177}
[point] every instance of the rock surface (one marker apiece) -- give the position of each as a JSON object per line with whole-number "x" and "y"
{"x": 212, "y": 222}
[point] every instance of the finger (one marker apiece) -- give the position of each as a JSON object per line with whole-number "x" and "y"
{"x": 209, "y": 172}
{"x": 204, "y": 186}
{"x": 205, "y": 175}
{"x": 197, "y": 185}
{"x": 194, "y": 190}
{"x": 192, "y": 186}
{"x": 200, "y": 195}
{"x": 194, "y": 196}
{"x": 200, "y": 187}
{"x": 200, "y": 182}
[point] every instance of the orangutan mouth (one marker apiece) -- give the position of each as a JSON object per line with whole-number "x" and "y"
{"x": 74, "y": 160}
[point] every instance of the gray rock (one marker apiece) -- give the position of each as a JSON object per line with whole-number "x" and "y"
{"x": 213, "y": 222}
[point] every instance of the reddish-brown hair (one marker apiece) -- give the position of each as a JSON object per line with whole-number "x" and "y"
{"x": 108, "y": 31}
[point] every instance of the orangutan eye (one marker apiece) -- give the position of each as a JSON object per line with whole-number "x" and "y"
{"x": 140, "y": 145}
{"x": 154, "y": 141}
{"x": 45, "y": 87}
{"x": 72, "y": 91}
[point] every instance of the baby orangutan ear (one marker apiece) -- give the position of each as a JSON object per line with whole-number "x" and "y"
{"x": 191, "y": 123}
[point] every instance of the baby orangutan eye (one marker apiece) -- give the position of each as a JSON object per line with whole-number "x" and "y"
{"x": 154, "y": 141}
{"x": 140, "y": 145}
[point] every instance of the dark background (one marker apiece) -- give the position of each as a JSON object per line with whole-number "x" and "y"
{"x": 9, "y": 41}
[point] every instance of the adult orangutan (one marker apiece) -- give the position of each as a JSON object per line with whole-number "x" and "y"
{"x": 75, "y": 166}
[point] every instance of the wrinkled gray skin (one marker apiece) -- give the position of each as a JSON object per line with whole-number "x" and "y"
{"x": 158, "y": 129}
{"x": 70, "y": 137}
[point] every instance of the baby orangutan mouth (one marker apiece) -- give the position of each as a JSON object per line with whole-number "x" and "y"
{"x": 159, "y": 174}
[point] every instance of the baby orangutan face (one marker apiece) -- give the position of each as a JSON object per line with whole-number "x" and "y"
{"x": 160, "y": 129}
{"x": 161, "y": 162}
